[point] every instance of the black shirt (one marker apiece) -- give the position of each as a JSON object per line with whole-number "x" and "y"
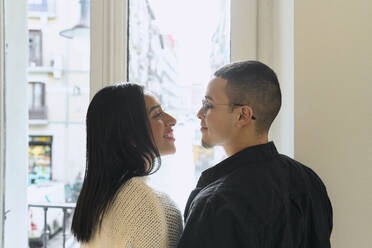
{"x": 258, "y": 198}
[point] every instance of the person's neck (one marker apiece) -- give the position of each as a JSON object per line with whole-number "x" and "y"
{"x": 236, "y": 146}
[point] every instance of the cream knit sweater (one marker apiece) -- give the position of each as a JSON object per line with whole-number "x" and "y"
{"x": 140, "y": 217}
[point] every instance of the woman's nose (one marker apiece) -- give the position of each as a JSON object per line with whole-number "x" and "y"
{"x": 171, "y": 120}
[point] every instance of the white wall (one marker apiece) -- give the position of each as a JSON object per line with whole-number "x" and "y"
{"x": 333, "y": 108}
{"x": 16, "y": 125}
{"x": 322, "y": 54}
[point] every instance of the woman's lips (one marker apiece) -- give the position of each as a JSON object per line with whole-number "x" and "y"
{"x": 169, "y": 136}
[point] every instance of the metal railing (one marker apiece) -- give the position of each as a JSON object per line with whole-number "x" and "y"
{"x": 45, "y": 207}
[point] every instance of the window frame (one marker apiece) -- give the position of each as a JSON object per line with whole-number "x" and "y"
{"x": 13, "y": 53}
{"x": 2, "y": 124}
{"x": 108, "y": 34}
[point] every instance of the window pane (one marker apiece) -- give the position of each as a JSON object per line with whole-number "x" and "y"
{"x": 173, "y": 56}
{"x": 37, "y": 5}
{"x": 59, "y": 98}
{"x": 38, "y": 96}
{"x": 35, "y": 45}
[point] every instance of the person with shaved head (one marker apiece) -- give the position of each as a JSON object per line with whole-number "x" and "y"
{"x": 256, "y": 197}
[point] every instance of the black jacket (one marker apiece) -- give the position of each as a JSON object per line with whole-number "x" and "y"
{"x": 258, "y": 198}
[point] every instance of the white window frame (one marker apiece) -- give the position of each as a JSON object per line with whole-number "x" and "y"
{"x": 263, "y": 30}
{"x": 108, "y": 43}
{"x": 244, "y": 15}
{"x": 2, "y": 125}
{"x": 13, "y": 53}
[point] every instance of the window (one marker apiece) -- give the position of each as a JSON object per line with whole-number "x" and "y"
{"x": 35, "y": 48}
{"x": 38, "y": 5}
{"x": 36, "y": 108}
{"x": 173, "y": 56}
{"x": 40, "y": 159}
{"x": 58, "y": 101}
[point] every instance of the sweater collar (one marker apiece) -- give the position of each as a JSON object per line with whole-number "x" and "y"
{"x": 244, "y": 157}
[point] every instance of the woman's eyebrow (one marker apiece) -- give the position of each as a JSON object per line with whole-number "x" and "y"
{"x": 153, "y": 108}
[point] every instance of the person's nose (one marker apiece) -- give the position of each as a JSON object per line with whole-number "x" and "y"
{"x": 200, "y": 114}
{"x": 171, "y": 120}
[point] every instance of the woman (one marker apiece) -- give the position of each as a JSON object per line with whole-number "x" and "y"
{"x": 127, "y": 131}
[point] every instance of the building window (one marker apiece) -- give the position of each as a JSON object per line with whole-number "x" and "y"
{"x": 35, "y": 47}
{"x": 37, "y": 108}
{"x": 40, "y": 159}
{"x": 38, "y": 5}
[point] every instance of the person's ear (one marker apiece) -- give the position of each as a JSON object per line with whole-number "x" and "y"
{"x": 245, "y": 116}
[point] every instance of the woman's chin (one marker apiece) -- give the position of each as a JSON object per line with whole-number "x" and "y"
{"x": 167, "y": 151}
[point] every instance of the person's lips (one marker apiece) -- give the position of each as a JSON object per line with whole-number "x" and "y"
{"x": 169, "y": 136}
{"x": 203, "y": 128}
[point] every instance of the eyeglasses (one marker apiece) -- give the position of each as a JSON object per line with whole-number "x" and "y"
{"x": 206, "y": 106}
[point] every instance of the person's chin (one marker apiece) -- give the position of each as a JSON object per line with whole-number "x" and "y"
{"x": 172, "y": 150}
{"x": 206, "y": 144}
{"x": 168, "y": 151}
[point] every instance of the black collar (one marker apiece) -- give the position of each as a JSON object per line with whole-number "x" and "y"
{"x": 244, "y": 157}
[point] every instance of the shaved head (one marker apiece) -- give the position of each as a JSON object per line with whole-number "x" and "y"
{"x": 254, "y": 84}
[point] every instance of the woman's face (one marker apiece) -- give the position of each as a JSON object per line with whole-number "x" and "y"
{"x": 161, "y": 126}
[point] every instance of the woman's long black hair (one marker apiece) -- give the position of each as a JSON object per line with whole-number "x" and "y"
{"x": 119, "y": 146}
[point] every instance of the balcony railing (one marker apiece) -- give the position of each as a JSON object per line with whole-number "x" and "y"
{"x": 45, "y": 206}
{"x": 38, "y": 113}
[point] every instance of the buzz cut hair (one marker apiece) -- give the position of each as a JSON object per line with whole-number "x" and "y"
{"x": 254, "y": 84}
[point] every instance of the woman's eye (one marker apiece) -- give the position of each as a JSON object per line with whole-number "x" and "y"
{"x": 158, "y": 115}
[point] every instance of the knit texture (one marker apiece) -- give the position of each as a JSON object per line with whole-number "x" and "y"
{"x": 139, "y": 217}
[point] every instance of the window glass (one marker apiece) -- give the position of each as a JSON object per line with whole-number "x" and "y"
{"x": 58, "y": 76}
{"x": 174, "y": 47}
